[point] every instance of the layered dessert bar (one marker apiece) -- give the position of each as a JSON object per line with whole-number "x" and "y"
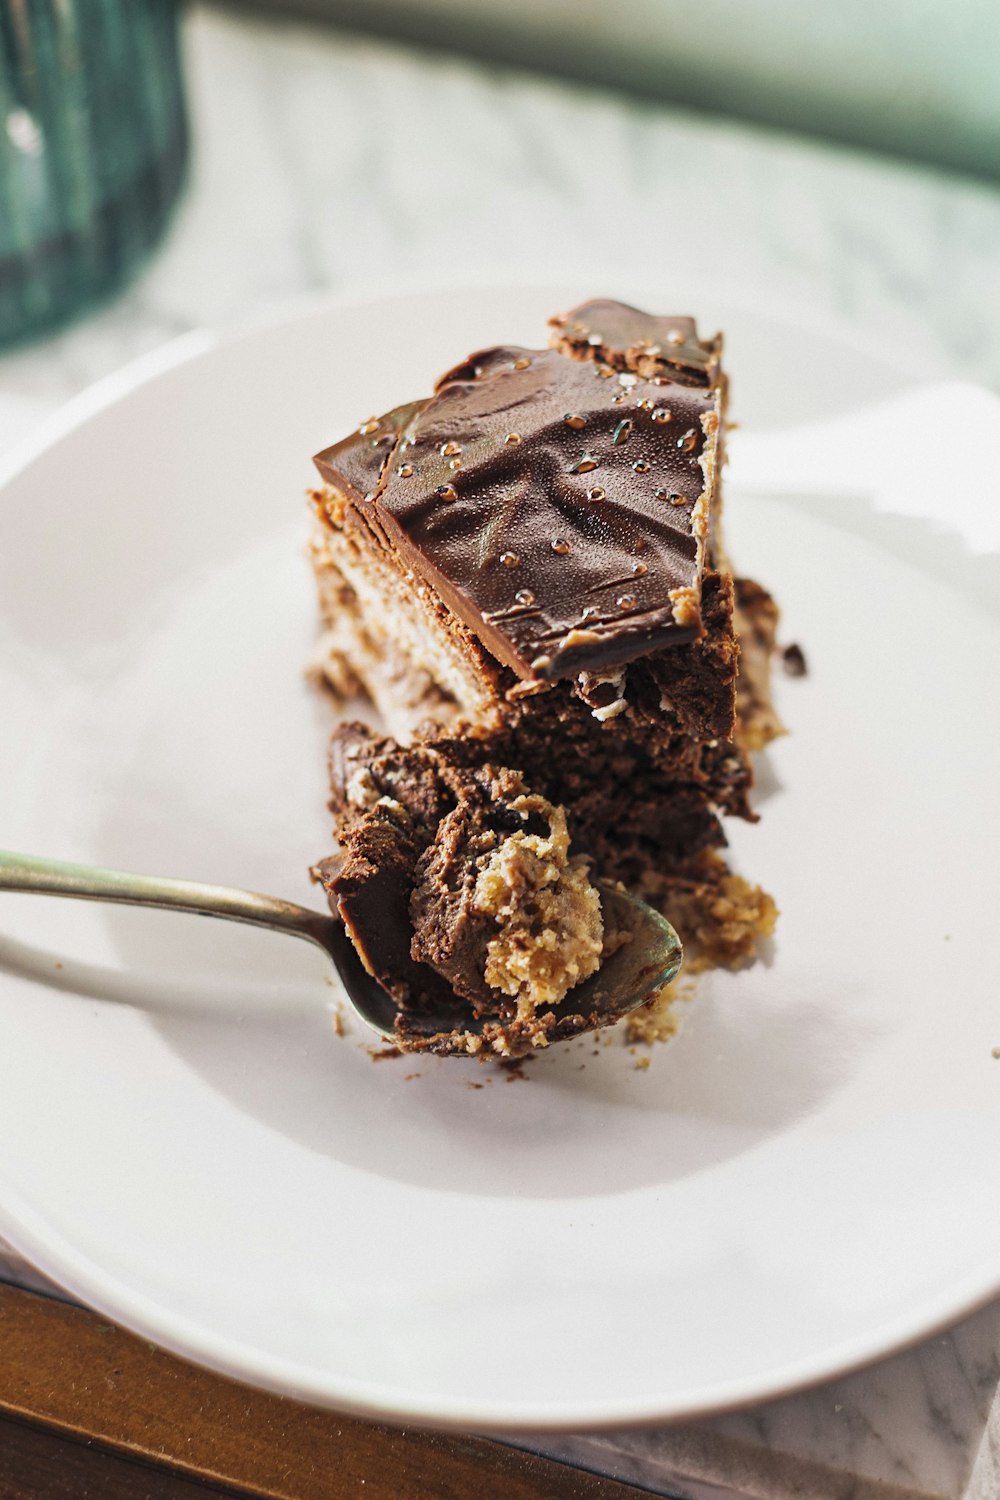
{"x": 524, "y": 575}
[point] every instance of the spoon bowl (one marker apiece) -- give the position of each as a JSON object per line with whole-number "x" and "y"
{"x": 646, "y": 956}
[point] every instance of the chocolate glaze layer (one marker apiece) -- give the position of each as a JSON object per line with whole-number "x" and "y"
{"x": 355, "y": 464}
{"x": 558, "y": 506}
{"x": 628, "y": 338}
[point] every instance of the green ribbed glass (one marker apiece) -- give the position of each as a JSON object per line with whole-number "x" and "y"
{"x": 93, "y": 143}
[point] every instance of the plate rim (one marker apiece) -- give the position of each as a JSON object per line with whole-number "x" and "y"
{"x": 148, "y": 1319}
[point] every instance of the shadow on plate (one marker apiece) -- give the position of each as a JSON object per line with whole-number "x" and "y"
{"x": 253, "y": 1017}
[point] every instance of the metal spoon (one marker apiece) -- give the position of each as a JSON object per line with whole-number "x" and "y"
{"x": 648, "y": 957}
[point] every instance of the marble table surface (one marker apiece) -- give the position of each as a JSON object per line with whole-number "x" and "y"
{"x": 323, "y": 161}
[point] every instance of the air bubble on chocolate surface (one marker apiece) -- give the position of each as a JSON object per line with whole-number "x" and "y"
{"x": 641, "y": 466}
{"x": 688, "y": 441}
{"x": 623, "y": 431}
{"x": 405, "y": 471}
{"x": 574, "y": 420}
{"x": 447, "y": 449}
{"x": 638, "y": 568}
{"x": 446, "y": 492}
{"x": 584, "y": 464}
{"x": 455, "y": 463}
{"x": 597, "y": 493}
{"x": 524, "y": 596}
{"x": 560, "y": 545}
{"x": 368, "y": 427}
{"x": 521, "y": 364}
{"x": 662, "y": 414}
{"x": 512, "y": 438}
{"x": 626, "y": 601}
{"x": 678, "y": 499}
{"x": 510, "y": 559}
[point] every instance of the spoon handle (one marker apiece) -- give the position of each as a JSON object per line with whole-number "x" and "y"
{"x": 53, "y": 877}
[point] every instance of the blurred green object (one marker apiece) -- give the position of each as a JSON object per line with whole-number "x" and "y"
{"x": 93, "y": 143}
{"x": 918, "y": 78}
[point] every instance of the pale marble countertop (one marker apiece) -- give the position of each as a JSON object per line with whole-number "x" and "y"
{"x": 328, "y": 162}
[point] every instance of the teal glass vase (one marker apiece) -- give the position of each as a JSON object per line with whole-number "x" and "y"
{"x": 93, "y": 144}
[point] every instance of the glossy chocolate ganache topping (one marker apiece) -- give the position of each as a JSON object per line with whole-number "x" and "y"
{"x": 557, "y": 500}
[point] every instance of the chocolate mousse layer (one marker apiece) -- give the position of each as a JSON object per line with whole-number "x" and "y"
{"x": 456, "y": 883}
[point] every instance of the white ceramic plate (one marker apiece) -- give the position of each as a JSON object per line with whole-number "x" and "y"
{"x": 803, "y": 1180}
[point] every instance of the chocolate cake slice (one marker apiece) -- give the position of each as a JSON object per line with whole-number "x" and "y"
{"x": 525, "y": 575}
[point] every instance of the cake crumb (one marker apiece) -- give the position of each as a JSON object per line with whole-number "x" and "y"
{"x": 338, "y": 1021}
{"x": 641, "y": 1063}
{"x": 720, "y": 917}
{"x": 793, "y": 659}
{"x": 383, "y": 1053}
{"x": 547, "y": 912}
{"x": 685, "y": 607}
{"x": 755, "y": 621}
{"x": 995, "y": 1052}
{"x": 656, "y": 1021}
